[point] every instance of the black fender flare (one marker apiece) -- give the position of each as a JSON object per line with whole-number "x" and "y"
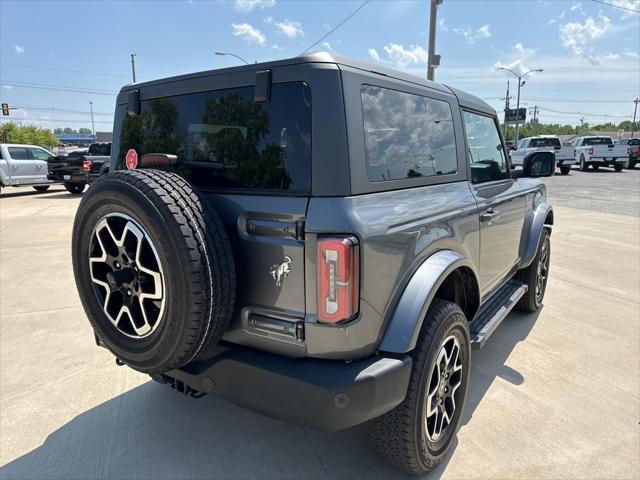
{"x": 532, "y": 233}
{"x": 406, "y": 321}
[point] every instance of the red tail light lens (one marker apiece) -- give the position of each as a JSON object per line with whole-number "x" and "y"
{"x": 638, "y": 151}
{"x": 338, "y": 286}
{"x": 591, "y": 151}
{"x": 86, "y": 165}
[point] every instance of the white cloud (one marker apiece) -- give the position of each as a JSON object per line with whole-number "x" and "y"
{"x": 269, "y": 20}
{"x": 630, "y": 53}
{"x": 443, "y": 24}
{"x": 579, "y": 37}
{"x": 404, "y": 57}
{"x": 627, "y": 4}
{"x": 8, "y": 87}
{"x": 327, "y": 46}
{"x": 290, "y": 29}
{"x": 471, "y": 35}
{"x": 18, "y": 49}
{"x": 248, "y": 33}
{"x": 577, "y": 7}
{"x": 250, "y": 5}
{"x": 552, "y": 21}
{"x": 373, "y": 53}
{"x": 519, "y": 59}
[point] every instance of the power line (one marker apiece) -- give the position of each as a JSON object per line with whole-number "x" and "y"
{"x": 59, "y": 110}
{"x": 64, "y": 70}
{"x": 59, "y": 88}
{"x": 337, "y": 26}
{"x": 566, "y": 100}
{"x": 47, "y": 119}
{"x": 584, "y": 113}
{"x": 616, "y": 6}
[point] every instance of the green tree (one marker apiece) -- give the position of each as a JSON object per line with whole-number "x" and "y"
{"x": 29, "y": 134}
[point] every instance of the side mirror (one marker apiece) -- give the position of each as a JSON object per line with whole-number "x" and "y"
{"x": 539, "y": 164}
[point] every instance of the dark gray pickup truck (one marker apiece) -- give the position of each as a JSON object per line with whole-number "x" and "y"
{"x": 80, "y": 168}
{"x": 317, "y": 239}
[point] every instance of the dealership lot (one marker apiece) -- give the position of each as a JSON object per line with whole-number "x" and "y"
{"x": 553, "y": 394}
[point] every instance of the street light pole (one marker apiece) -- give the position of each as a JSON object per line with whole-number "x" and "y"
{"x": 520, "y": 84}
{"x": 635, "y": 110}
{"x": 133, "y": 66}
{"x": 222, "y": 54}
{"x": 93, "y": 127}
{"x": 433, "y": 60}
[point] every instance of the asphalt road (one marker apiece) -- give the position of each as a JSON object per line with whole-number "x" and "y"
{"x": 553, "y": 395}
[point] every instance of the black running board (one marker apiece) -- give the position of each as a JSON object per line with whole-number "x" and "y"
{"x": 494, "y": 311}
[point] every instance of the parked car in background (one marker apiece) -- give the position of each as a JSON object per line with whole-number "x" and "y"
{"x": 633, "y": 148}
{"x": 544, "y": 143}
{"x": 599, "y": 152}
{"x": 81, "y": 167}
{"x": 24, "y": 165}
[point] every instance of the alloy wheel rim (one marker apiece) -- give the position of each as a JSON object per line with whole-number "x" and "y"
{"x": 542, "y": 271}
{"x": 127, "y": 275}
{"x": 442, "y": 390}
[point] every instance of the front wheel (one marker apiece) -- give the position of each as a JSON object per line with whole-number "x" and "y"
{"x": 41, "y": 188}
{"x": 417, "y": 434}
{"x": 618, "y": 167}
{"x": 565, "y": 170}
{"x": 535, "y": 276}
{"x": 75, "y": 188}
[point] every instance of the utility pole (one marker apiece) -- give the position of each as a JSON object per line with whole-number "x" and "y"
{"x": 505, "y": 128}
{"x": 535, "y": 113}
{"x": 434, "y": 60}
{"x": 133, "y": 66}
{"x": 93, "y": 127}
{"x": 635, "y": 110}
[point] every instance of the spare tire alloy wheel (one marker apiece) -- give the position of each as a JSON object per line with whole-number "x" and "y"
{"x": 127, "y": 275}
{"x": 153, "y": 267}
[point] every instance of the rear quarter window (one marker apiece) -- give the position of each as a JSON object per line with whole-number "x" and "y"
{"x": 224, "y": 139}
{"x": 406, "y": 135}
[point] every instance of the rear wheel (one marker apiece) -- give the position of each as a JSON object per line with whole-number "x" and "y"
{"x": 631, "y": 164}
{"x": 564, "y": 170}
{"x": 583, "y": 164}
{"x": 41, "y": 188}
{"x": 596, "y": 167}
{"x": 417, "y": 434}
{"x": 535, "y": 276}
{"x": 75, "y": 188}
{"x": 618, "y": 167}
{"x": 153, "y": 267}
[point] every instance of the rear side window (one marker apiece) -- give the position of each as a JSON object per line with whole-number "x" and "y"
{"x": 224, "y": 139}
{"x": 486, "y": 155}
{"x": 544, "y": 142}
{"x": 19, "y": 153}
{"x": 406, "y": 135}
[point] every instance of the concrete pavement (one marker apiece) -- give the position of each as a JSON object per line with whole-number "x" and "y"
{"x": 552, "y": 395}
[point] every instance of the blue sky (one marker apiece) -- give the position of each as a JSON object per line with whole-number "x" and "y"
{"x": 589, "y": 51}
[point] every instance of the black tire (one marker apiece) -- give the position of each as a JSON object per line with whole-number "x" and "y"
{"x": 565, "y": 170}
{"x": 194, "y": 256}
{"x": 41, "y": 188}
{"x": 618, "y": 167}
{"x": 631, "y": 164}
{"x": 532, "y": 300}
{"x": 75, "y": 188}
{"x": 595, "y": 166}
{"x": 583, "y": 164}
{"x": 399, "y": 436}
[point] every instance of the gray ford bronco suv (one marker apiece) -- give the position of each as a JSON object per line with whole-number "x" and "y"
{"x": 317, "y": 239}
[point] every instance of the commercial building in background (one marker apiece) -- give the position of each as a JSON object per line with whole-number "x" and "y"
{"x": 104, "y": 136}
{"x": 76, "y": 138}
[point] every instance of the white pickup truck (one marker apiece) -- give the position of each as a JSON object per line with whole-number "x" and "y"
{"x": 599, "y": 151}
{"x": 544, "y": 143}
{"x": 24, "y": 165}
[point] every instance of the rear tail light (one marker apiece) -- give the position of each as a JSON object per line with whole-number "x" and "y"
{"x": 591, "y": 151}
{"x": 338, "y": 282}
{"x": 86, "y": 165}
{"x": 638, "y": 151}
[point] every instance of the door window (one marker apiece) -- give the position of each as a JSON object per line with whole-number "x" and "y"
{"x": 19, "y": 153}
{"x": 486, "y": 154}
{"x": 40, "y": 154}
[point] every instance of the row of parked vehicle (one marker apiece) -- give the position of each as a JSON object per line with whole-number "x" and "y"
{"x": 588, "y": 151}
{"x": 33, "y": 166}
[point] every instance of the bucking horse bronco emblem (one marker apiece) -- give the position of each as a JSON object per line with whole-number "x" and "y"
{"x": 280, "y": 271}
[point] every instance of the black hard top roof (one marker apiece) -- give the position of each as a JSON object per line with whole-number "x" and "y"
{"x": 465, "y": 99}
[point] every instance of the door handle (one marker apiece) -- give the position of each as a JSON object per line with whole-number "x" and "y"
{"x": 489, "y": 215}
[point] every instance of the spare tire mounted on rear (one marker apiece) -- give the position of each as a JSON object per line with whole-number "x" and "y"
{"x": 154, "y": 268}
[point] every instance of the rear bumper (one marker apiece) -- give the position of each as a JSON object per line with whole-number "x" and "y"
{"x": 607, "y": 160}
{"x": 324, "y": 394}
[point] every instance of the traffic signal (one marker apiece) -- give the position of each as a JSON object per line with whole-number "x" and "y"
{"x": 5, "y": 109}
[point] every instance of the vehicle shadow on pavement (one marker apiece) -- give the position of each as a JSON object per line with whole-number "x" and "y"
{"x": 154, "y": 432}
{"x": 24, "y": 192}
